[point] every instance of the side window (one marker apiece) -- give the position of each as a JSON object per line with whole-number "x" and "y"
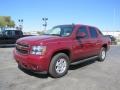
{"x": 93, "y": 32}
{"x": 8, "y": 33}
{"x": 83, "y": 29}
{"x": 0, "y": 32}
{"x": 18, "y": 33}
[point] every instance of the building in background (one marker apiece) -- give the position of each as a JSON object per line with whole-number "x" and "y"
{"x": 113, "y": 33}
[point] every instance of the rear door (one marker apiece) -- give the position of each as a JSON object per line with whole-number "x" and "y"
{"x": 94, "y": 41}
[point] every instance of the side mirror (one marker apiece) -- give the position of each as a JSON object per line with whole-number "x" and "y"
{"x": 81, "y": 35}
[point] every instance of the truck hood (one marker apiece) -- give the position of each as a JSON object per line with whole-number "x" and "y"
{"x": 37, "y": 39}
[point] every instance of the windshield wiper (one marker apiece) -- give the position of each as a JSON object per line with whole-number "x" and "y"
{"x": 46, "y": 34}
{"x": 55, "y": 34}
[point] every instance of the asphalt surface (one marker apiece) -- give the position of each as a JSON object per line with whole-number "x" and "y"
{"x": 92, "y": 75}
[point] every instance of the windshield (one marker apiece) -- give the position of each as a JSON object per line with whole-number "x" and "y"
{"x": 60, "y": 31}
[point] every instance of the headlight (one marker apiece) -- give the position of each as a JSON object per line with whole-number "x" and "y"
{"x": 38, "y": 50}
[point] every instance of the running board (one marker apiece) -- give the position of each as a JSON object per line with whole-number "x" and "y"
{"x": 83, "y": 60}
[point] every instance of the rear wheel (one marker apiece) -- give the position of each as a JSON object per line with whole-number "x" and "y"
{"x": 102, "y": 54}
{"x": 59, "y": 65}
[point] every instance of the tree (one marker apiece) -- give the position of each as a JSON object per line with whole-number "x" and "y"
{"x": 11, "y": 24}
{"x": 5, "y": 21}
{"x": 2, "y": 22}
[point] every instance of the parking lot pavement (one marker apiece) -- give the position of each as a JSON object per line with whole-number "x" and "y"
{"x": 92, "y": 75}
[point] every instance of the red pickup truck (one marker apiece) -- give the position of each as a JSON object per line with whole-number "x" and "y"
{"x": 60, "y": 47}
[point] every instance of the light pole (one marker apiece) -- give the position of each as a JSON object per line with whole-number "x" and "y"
{"x": 20, "y": 24}
{"x": 45, "y": 22}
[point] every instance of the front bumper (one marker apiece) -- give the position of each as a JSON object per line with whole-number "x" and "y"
{"x": 32, "y": 62}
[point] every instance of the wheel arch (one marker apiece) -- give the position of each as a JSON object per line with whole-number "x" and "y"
{"x": 105, "y": 46}
{"x": 66, "y": 51}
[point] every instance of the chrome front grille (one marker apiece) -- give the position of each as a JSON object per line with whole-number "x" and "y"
{"x": 22, "y": 48}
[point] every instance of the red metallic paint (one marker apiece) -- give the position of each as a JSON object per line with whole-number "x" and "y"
{"x": 87, "y": 47}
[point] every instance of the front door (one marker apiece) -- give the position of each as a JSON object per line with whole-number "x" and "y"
{"x": 81, "y": 45}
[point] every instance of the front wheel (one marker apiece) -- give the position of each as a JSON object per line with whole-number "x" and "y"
{"x": 102, "y": 54}
{"x": 59, "y": 65}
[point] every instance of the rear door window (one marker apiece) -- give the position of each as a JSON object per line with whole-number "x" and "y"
{"x": 93, "y": 32}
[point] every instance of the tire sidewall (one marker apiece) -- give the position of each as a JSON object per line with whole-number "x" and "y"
{"x": 52, "y": 68}
{"x": 100, "y": 54}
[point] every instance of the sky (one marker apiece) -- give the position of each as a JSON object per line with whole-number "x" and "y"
{"x": 104, "y": 14}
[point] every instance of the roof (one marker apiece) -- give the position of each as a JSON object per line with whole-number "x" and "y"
{"x": 77, "y": 25}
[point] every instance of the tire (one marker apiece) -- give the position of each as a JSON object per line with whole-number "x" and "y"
{"x": 102, "y": 54}
{"x": 59, "y": 65}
